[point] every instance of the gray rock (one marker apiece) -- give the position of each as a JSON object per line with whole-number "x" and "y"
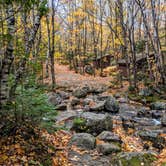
{"x": 158, "y": 106}
{"x": 122, "y": 100}
{"x": 157, "y": 114}
{"x": 54, "y": 99}
{"x": 62, "y": 106}
{"x": 87, "y": 159}
{"x": 74, "y": 101}
{"x": 98, "y": 106}
{"x": 64, "y": 95}
{"x": 127, "y": 111}
{"x": 133, "y": 158}
{"x": 117, "y": 95}
{"x": 108, "y": 148}
{"x": 144, "y": 121}
{"x": 83, "y": 140}
{"x": 98, "y": 90}
{"x": 149, "y": 135}
{"x": 109, "y": 137}
{"x": 154, "y": 136}
{"x": 163, "y": 121}
{"x": 112, "y": 105}
{"x": 87, "y": 101}
{"x": 94, "y": 123}
{"x": 81, "y": 92}
{"x": 144, "y": 112}
{"x": 103, "y": 97}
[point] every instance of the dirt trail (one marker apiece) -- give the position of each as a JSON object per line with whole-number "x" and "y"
{"x": 66, "y": 77}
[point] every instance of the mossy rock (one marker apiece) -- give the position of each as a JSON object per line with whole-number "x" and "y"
{"x": 79, "y": 125}
{"x": 134, "y": 159}
{"x": 92, "y": 123}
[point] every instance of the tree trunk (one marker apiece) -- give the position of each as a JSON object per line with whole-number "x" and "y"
{"x": 8, "y": 56}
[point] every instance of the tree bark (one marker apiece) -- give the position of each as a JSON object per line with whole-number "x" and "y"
{"x": 8, "y": 56}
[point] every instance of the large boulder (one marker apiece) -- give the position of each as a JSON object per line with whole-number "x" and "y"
{"x": 108, "y": 148}
{"x": 83, "y": 140}
{"x": 133, "y": 159}
{"x": 109, "y": 136}
{"x": 112, "y": 105}
{"x": 93, "y": 123}
{"x": 158, "y": 106}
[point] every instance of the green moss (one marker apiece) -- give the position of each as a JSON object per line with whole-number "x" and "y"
{"x": 79, "y": 124}
{"x": 79, "y": 121}
{"x": 135, "y": 159}
{"x": 132, "y": 162}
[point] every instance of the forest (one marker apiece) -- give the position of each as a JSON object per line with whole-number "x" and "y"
{"x": 83, "y": 82}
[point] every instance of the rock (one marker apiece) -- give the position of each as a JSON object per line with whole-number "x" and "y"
{"x": 89, "y": 69}
{"x": 163, "y": 121}
{"x": 158, "y": 106}
{"x": 81, "y": 92}
{"x": 108, "y": 148}
{"x": 87, "y": 101}
{"x": 74, "y": 101}
{"x": 83, "y": 140}
{"x": 94, "y": 123}
{"x": 146, "y": 92}
{"x": 67, "y": 115}
{"x": 54, "y": 99}
{"x": 86, "y": 88}
{"x": 144, "y": 112}
{"x": 122, "y": 100}
{"x": 153, "y": 136}
{"x": 145, "y": 122}
{"x": 157, "y": 114}
{"x": 62, "y": 106}
{"x": 111, "y": 105}
{"x": 117, "y": 95}
{"x": 102, "y": 98}
{"x": 133, "y": 159}
{"x": 149, "y": 135}
{"x": 86, "y": 108}
{"x": 127, "y": 123}
{"x": 87, "y": 159}
{"x": 63, "y": 95}
{"x": 127, "y": 111}
{"x": 109, "y": 137}
{"x": 97, "y": 90}
{"x": 98, "y": 106}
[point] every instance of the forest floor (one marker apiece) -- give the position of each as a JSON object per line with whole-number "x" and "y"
{"x": 131, "y": 143}
{"x": 66, "y": 77}
{"x": 18, "y": 150}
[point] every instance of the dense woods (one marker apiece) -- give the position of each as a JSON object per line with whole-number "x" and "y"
{"x": 121, "y": 43}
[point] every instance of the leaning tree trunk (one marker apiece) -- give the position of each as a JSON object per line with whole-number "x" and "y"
{"x": 8, "y": 56}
